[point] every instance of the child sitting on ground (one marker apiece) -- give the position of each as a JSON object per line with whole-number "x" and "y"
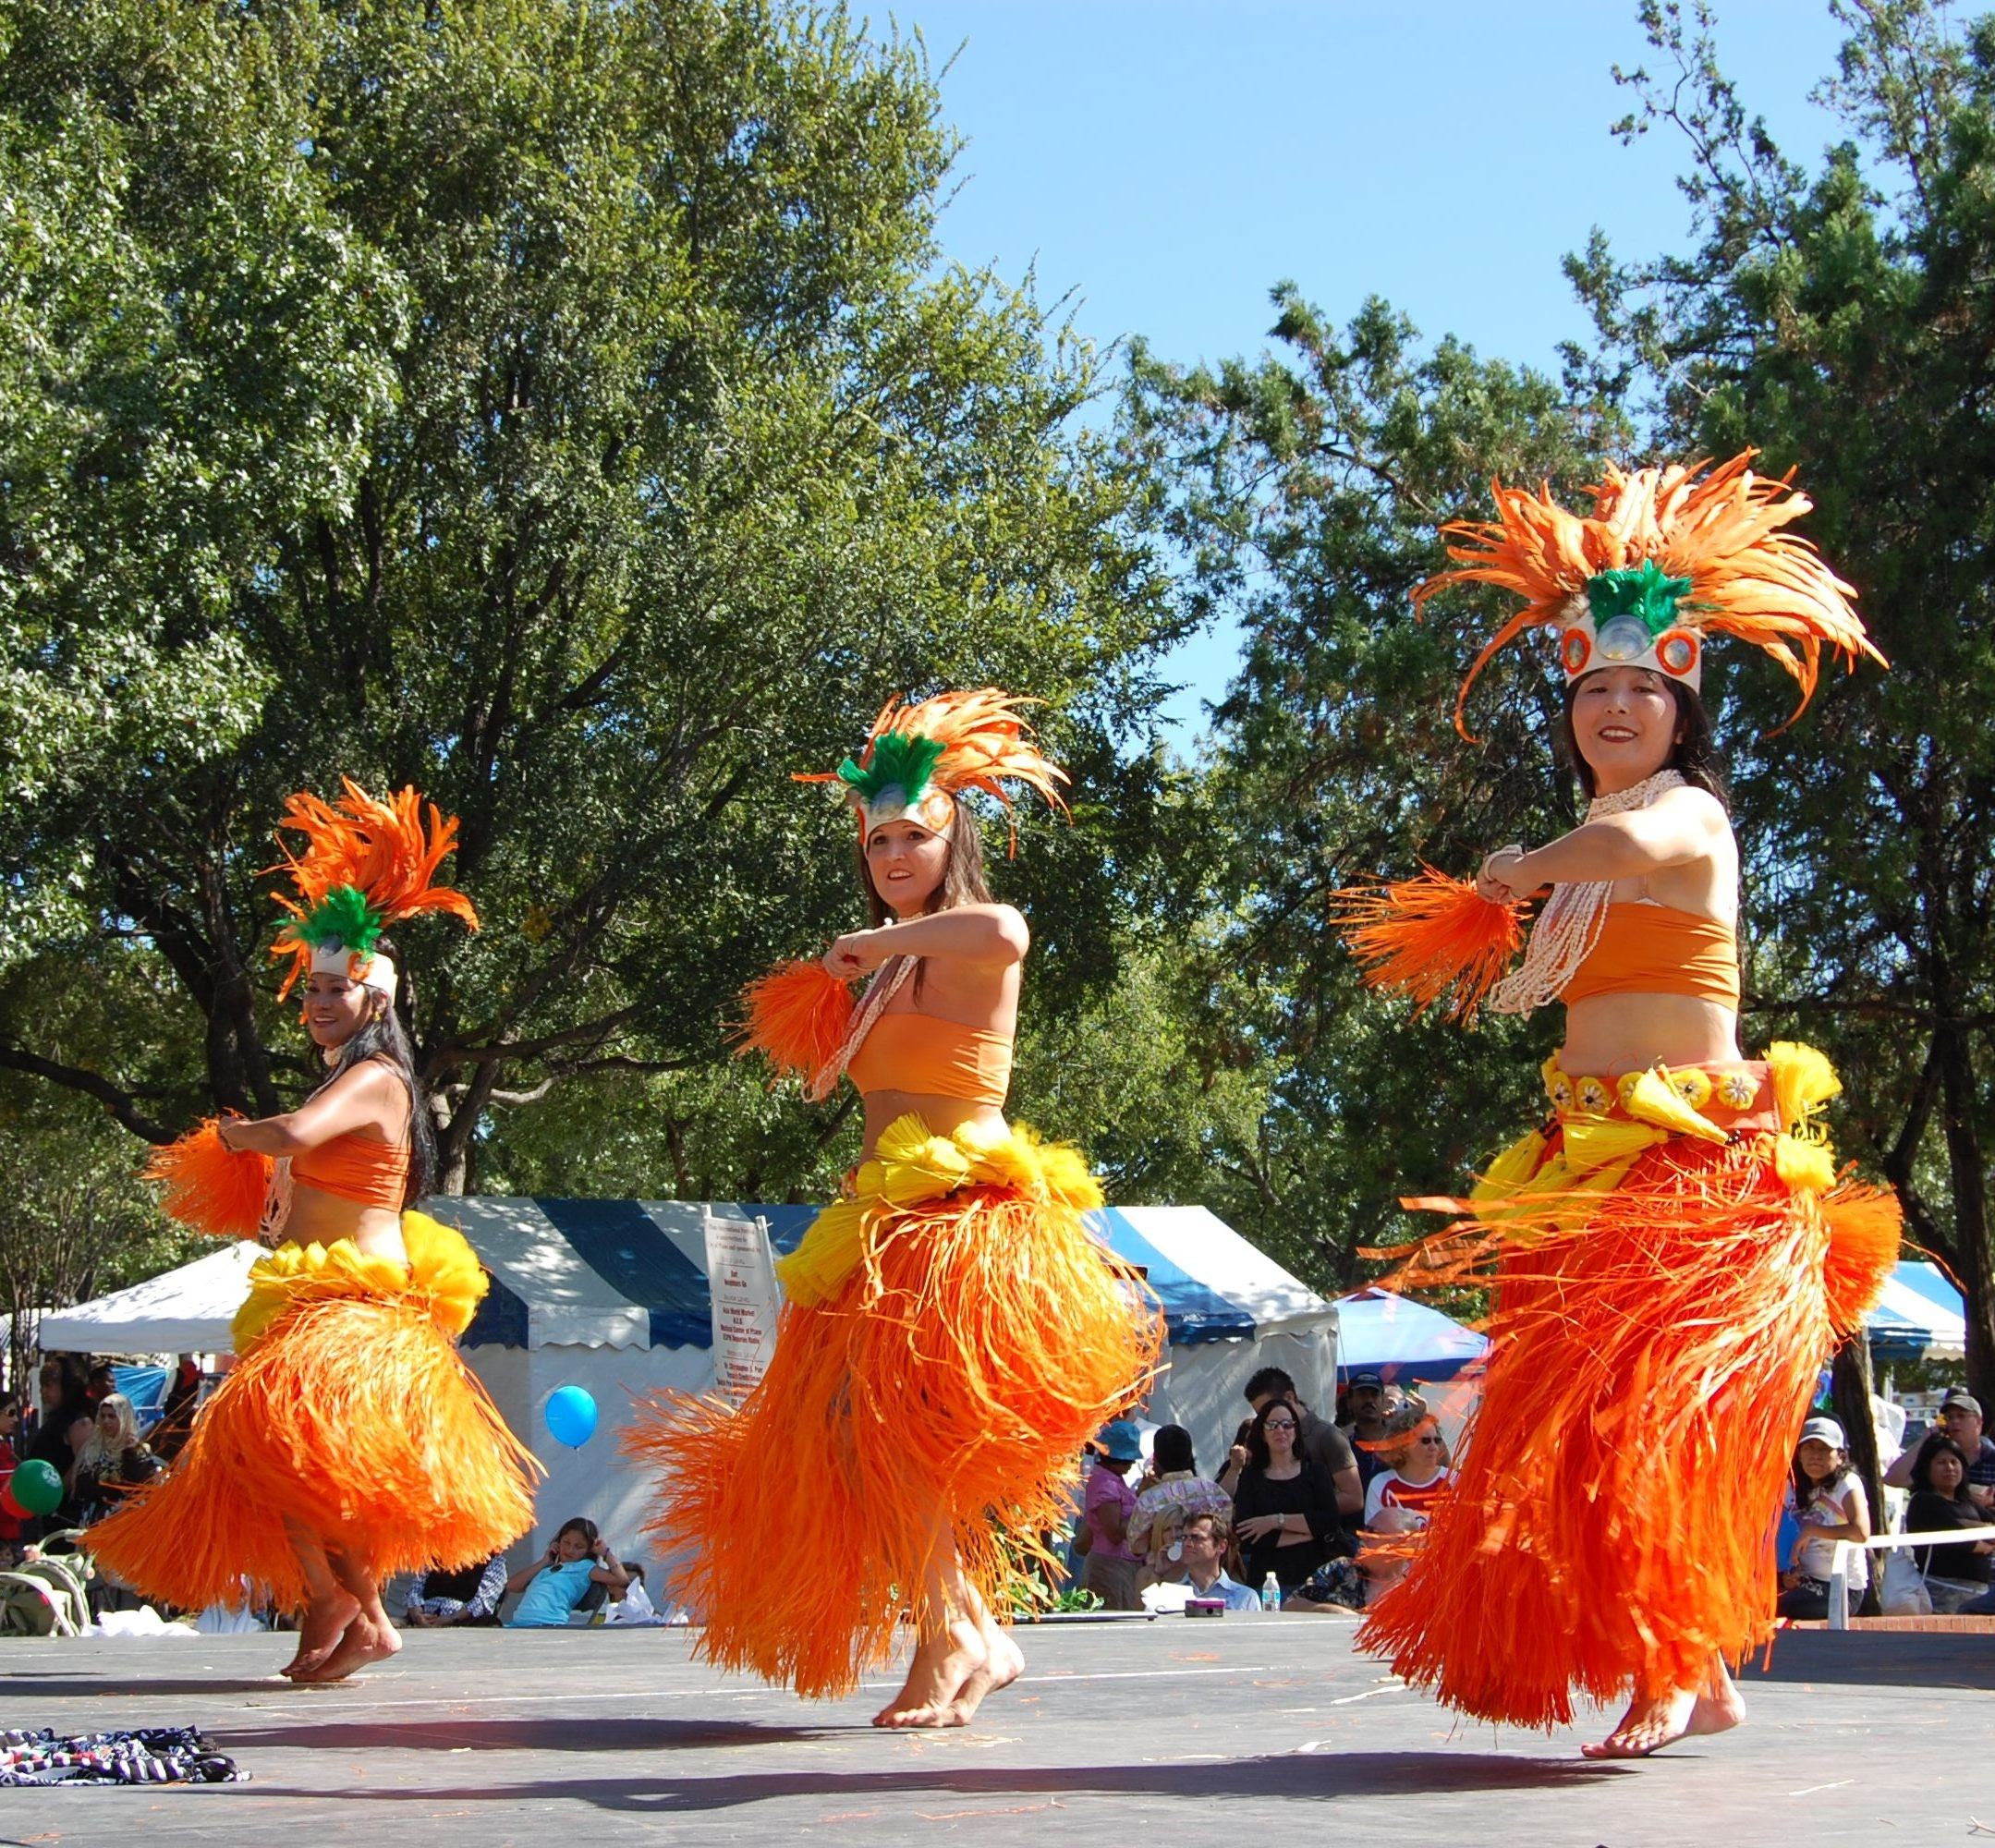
{"x": 554, "y": 1585}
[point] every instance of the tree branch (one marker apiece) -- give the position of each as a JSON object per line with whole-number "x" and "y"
{"x": 121, "y": 1103}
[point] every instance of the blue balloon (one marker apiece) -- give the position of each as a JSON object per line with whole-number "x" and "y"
{"x": 571, "y": 1415}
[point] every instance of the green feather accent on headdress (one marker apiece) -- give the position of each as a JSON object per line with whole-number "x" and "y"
{"x": 1645, "y": 593}
{"x": 342, "y": 916}
{"x": 902, "y": 760}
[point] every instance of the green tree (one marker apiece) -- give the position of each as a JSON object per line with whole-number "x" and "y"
{"x": 1306, "y": 488}
{"x": 75, "y": 1220}
{"x": 1842, "y": 320}
{"x": 557, "y": 407}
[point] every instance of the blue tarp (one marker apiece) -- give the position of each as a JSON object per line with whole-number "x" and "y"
{"x": 1381, "y": 1332}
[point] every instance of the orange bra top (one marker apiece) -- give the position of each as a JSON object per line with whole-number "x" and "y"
{"x": 359, "y": 1168}
{"x": 921, "y": 1053}
{"x": 1656, "y": 949}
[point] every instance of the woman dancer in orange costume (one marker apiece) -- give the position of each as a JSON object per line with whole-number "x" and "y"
{"x": 954, "y": 1335}
{"x": 349, "y": 1441}
{"x": 1673, "y": 1255}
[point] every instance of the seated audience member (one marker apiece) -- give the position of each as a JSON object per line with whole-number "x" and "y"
{"x": 1365, "y": 1405}
{"x": 1316, "y": 1440}
{"x": 1830, "y": 1505}
{"x": 1202, "y": 1542}
{"x": 470, "y": 1595}
{"x": 109, "y": 1462}
{"x": 554, "y": 1585}
{"x": 1176, "y": 1493}
{"x": 1284, "y": 1511}
{"x": 177, "y": 1413}
{"x": 1955, "y": 1574}
{"x": 1383, "y": 1556}
{"x": 10, "y": 1534}
{"x": 1959, "y": 1418}
{"x": 1415, "y": 1475}
{"x": 1108, "y": 1503}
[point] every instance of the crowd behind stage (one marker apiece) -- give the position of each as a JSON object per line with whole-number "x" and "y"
{"x": 1305, "y": 1513}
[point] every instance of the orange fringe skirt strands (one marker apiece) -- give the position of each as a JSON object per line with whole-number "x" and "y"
{"x": 952, "y": 1338}
{"x": 348, "y": 1411}
{"x": 1673, "y": 1259}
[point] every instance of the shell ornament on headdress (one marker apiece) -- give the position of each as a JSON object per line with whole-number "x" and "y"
{"x": 366, "y": 866}
{"x": 919, "y": 758}
{"x": 1667, "y": 557}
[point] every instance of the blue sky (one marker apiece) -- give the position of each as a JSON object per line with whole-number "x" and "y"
{"x": 1169, "y": 163}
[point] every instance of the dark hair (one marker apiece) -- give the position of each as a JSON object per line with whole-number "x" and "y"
{"x": 962, "y": 873}
{"x": 9, "y": 1401}
{"x": 1268, "y": 1379}
{"x": 1695, "y": 753}
{"x": 384, "y": 1036}
{"x": 578, "y": 1524}
{"x": 1170, "y": 1449}
{"x": 69, "y": 1374}
{"x": 1257, "y": 1437}
{"x": 1939, "y": 1444}
{"x": 1807, "y": 1492}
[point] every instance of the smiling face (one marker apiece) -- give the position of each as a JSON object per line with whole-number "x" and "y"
{"x": 337, "y": 1007}
{"x": 1626, "y": 725}
{"x": 906, "y": 864}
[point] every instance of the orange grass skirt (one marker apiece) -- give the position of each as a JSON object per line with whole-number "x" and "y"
{"x": 1654, "y": 1350}
{"x": 943, "y": 1388}
{"x": 348, "y": 1411}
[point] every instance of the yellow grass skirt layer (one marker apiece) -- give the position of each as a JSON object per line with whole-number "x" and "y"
{"x": 1655, "y": 1342}
{"x": 349, "y": 1412}
{"x": 956, "y": 1335}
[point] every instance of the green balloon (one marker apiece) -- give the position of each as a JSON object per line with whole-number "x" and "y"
{"x": 37, "y": 1486}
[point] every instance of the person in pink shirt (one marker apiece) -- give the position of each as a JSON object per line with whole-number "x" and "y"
{"x": 1110, "y": 1500}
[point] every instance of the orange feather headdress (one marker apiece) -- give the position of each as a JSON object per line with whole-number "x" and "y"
{"x": 1667, "y": 556}
{"x": 919, "y": 758}
{"x": 366, "y": 865}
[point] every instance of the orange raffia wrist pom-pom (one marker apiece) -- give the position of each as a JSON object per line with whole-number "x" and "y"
{"x": 797, "y": 1018}
{"x": 210, "y": 1187}
{"x": 1427, "y": 936}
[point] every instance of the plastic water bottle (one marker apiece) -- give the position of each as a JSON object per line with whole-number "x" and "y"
{"x": 1270, "y": 1593}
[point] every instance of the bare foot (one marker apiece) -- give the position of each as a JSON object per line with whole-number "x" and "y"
{"x": 326, "y": 1620}
{"x": 936, "y": 1676}
{"x": 1648, "y": 1726}
{"x": 1719, "y": 1708}
{"x": 363, "y": 1643}
{"x": 1003, "y": 1664}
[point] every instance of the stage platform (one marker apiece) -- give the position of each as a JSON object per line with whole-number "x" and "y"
{"x": 1262, "y": 1730}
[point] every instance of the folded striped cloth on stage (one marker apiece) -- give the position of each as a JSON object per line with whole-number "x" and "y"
{"x": 151, "y": 1755}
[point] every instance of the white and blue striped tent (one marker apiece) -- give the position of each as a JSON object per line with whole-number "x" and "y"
{"x": 612, "y": 1295}
{"x": 1918, "y": 1315}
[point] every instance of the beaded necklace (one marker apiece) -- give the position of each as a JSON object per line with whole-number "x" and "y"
{"x": 1569, "y": 926}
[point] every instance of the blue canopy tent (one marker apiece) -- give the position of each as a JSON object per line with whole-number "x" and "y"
{"x": 1918, "y": 1315}
{"x": 1379, "y": 1332}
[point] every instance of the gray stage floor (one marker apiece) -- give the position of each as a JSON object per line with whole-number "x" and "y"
{"x": 1179, "y": 1730}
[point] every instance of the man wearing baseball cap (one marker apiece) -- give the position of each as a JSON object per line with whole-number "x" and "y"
{"x": 1959, "y": 1418}
{"x": 1363, "y": 1399}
